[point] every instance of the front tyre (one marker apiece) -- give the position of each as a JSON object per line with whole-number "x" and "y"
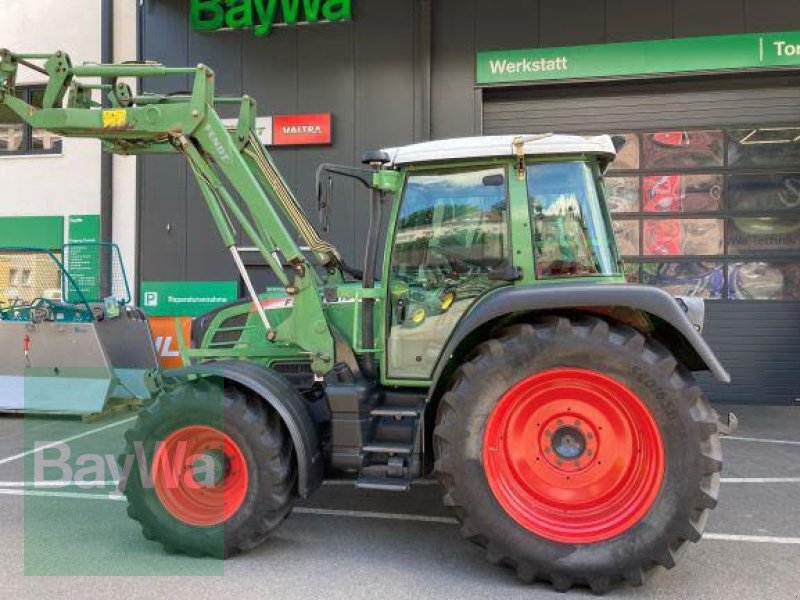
{"x": 218, "y": 471}
{"x": 577, "y": 452}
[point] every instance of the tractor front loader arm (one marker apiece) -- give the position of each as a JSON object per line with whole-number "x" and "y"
{"x": 228, "y": 162}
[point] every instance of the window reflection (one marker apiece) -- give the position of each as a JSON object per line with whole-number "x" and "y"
{"x": 622, "y": 194}
{"x": 748, "y": 235}
{"x": 627, "y": 234}
{"x": 628, "y": 157}
{"x": 682, "y": 193}
{"x": 764, "y": 192}
{"x": 764, "y": 281}
{"x": 570, "y": 234}
{"x": 769, "y": 147}
{"x": 683, "y": 149}
{"x": 701, "y": 279}
{"x": 676, "y": 237}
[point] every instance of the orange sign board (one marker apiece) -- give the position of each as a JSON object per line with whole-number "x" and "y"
{"x": 165, "y": 339}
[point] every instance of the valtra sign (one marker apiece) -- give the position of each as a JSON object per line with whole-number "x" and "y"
{"x": 292, "y": 130}
{"x": 296, "y": 130}
{"x": 263, "y": 15}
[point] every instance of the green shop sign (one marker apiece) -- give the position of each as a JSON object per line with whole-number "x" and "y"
{"x": 263, "y": 15}
{"x": 683, "y": 55}
{"x": 83, "y": 262}
{"x": 186, "y": 298}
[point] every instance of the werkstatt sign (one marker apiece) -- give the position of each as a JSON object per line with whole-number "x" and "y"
{"x": 263, "y": 15}
{"x": 683, "y": 55}
{"x": 186, "y": 298}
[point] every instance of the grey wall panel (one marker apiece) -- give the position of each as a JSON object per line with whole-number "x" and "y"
{"x": 507, "y": 25}
{"x": 385, "y": 93}
{"x": 327, "y": 84}
{"x": 772, "y": 15}
{"x": 270, "y": 75}
{"x": 571, "y": 22}
{"x": 206, "y": 256}
{"x": 162, "y": 189}
{"x": 453, "y": 69}
{"x": 757, "y": 343}
{"x": 633, "y": 20}
{"x": 708, "y": 17}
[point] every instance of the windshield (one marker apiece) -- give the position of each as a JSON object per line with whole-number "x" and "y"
{"x": 571, "y": 228}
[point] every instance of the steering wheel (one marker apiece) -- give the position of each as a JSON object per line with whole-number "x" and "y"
{"x": 455, "y": 263}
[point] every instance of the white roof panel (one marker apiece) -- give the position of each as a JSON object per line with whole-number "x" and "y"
{"x": 502, "y": 145}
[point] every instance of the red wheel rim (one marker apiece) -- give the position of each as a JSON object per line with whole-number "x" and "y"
{"x": 573, "y": 456}
{"x": 200, "y": 476}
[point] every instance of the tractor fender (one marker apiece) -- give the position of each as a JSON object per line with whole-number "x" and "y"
{"x": 283, "y": 397}
{"x": 678, "y": 332}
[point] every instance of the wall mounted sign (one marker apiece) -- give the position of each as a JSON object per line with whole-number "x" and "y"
{"x": 263, "y": 15}
{"x": 186, "y": 298}
{"x": 292, "y": 130}
{"x": 633, "y": 59}
{"x": 32, "y": 232}
{"x": 296, "y": 130}
{"x": 83, "y": 263}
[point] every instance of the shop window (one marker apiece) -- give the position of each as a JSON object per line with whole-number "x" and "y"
{"x": 682, "y": 193}
{"x": 628, "y": 157}
{"x": 622, "y": 194}
{"x": 760, "y": 235}
{"x": 19, "y": 139}
{"x": 764, "y": 281}
{"x": 683, "y": 149}
{"x": 627, "y": 234}
{"x": 764, "y": 192}
{"x": 713, "y": 213}
{"x": 701, "y": 279}
{"x": 632, "y": 273}
{"x": 767, "y": 147}
{"x": 682, "y": 237}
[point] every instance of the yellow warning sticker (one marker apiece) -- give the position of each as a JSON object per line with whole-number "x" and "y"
{"x": 115, "y": 118}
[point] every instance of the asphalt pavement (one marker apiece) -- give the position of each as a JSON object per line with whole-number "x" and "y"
{"x": 67, "y": 542}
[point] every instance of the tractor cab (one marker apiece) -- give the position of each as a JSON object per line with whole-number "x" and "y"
{"x": 478, "y": 214}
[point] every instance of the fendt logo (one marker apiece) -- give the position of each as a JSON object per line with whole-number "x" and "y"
{"x": 264, "y": 15}
{"x": 218, "y": 145}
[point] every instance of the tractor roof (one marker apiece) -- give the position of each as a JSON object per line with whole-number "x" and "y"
{"x": 502, "y": 145}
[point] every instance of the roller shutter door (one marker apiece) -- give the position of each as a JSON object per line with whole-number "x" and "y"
{"x": 643, "y": 105}
{"x": 754, "y": 334}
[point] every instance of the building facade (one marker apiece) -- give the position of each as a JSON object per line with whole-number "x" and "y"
{"x": 706, "y": 194}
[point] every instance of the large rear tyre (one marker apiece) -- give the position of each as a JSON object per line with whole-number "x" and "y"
{"x": 577, "y": 452}
{"x": 220, "y": 470}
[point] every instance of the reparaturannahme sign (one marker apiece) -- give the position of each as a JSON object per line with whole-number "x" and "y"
{"x": 186, "y": 298}
{"x": 656, "y": 57}
{"x": 263, "y": 15}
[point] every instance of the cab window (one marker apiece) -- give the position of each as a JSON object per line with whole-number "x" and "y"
{"x": 570, "y": 226}
{"x": 451, "y": 234}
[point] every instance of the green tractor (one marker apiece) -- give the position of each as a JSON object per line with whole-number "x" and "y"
{"x": 491, "y": 341}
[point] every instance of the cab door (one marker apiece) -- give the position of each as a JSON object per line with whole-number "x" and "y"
{"x": 451, "y": 246}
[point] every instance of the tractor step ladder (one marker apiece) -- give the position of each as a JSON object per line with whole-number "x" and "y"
{"x": 393, "y": 446}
